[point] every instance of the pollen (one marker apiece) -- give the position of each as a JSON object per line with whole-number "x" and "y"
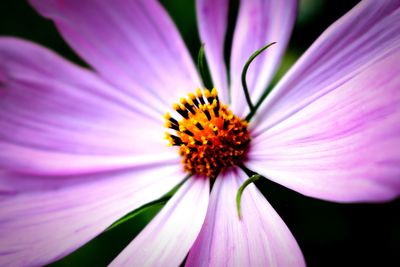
{"x": 209, "y": 136}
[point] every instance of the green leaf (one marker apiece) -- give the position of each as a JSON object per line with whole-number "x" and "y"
{"x": 161, "y": 201}
{"x": 132, "y": 214}
{"x": 203, "y": 70}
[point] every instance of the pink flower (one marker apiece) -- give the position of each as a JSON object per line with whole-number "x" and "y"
{"x": 81, "y": 148}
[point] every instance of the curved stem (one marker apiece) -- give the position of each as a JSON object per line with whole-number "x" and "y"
{"x": 258, "y": 104}
{"x": 244, "y": 73}
{"x": 239, "y": 193}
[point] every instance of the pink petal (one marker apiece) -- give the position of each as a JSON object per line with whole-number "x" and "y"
{"x": 364, "y": 35}
{"x": 344, "y": 146}
{"x": 56, "y": 117}
{"x": 39, "y": 227}
{"x": 212, "y": 18}
{"x": 260, "y": 238}
{"x": 259, "y": 23}
{"x": 133, "y": 44}
{"x": 169, "y": 236}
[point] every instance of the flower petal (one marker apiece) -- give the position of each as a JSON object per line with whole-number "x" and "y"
{"x": 361, "y": 37}
{"x": 57, "y": 117}
{"x": 133, "y": 44}
{"x": 169, "y": 236}
{"x": 260, "y": 238}
{"x": 345, "y": 145}
{"x": 39, "y": 227}
{"x": 212, "y": 19}
{"x": 259, "y": 23}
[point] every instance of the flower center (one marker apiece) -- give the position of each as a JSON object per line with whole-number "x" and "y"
{"x": 209, "y": 136}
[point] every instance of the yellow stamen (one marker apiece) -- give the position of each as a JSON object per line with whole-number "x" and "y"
{"x": 199, "y": 93}
{"x": 214, "y": 92}
{"x": 207, "y": 93}
{"x": 210, "y": 137}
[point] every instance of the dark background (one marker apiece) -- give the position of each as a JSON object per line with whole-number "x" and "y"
{"x": 329, "y": 234}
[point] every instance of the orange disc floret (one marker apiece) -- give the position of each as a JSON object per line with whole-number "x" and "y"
{"x": 209, "y": 136}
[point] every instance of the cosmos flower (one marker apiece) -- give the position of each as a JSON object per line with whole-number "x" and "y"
{"x": 81, "y": 148}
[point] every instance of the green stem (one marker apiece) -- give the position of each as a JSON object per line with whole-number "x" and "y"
{"x": 258, "y": 104}
{"x": 244, "y": 73}
{"x": 239, "y": 193}
{"x": 207, "y": 83}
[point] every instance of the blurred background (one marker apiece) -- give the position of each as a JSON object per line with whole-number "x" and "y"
{"x": 329, "y": 234}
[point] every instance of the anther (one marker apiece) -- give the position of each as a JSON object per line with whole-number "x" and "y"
{"x": 194, "y": 141}
{"x": 214, "y": 128}
{"x": 197, "y": 142}
{"x": 216, "y": 108}
{"x": 187, "y": 105}
{"x": 190, "y": 102}
{"x": 175, "y": 140}
{"x": 173, "y": 121}
{"x": 182, "y": 112}
{"x": 214, "y": 93}
{"x": 190, "y": 108}
{"x": 226, "y": 123}
{"x": 170, "y": 125}
{"x": 200, "y": 96}
{"x": 194, "y": 99}
{"x": 188, "y": 132}
{"x": 199, "y": 93}
{"x": 185, "y": 149}
{"x": 204, "y": 140}
{"x": 191, "y": 140}
{"x": 208, "y": 115}
{"x": 167, "y": 116}
{"x": 199, "y": 126}
{"x": 208, "y": 95}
